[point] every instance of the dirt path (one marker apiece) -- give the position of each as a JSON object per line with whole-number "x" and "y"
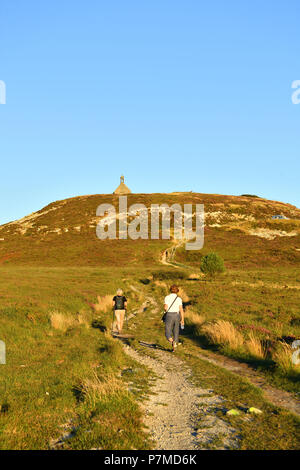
{"x": 167, "y": 255}
{"x": 179, "y": 415}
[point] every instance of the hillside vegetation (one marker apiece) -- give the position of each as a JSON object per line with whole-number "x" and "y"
{"x": 240, "y": 229}
{"x": 67, "y": 382}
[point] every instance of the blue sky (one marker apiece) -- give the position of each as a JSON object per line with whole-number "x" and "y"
{"x": 177, "y": 95}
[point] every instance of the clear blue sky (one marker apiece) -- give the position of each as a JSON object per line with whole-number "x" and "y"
{"x": 177, "y": 95}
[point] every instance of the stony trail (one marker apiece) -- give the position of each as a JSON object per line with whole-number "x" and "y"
{"x": 180, "y": 415}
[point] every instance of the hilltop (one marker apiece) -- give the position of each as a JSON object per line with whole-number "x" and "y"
{"x": 241, "y": 228}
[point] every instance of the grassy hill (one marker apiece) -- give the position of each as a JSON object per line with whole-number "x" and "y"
{"x": 64, "y": 372}
{"x": 241, "y": 229}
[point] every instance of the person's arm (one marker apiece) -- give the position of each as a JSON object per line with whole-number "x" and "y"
{"x": 165, "y": 305}
{"x": 181, "y": 315}
{"x": 113, "y": 303}
{"x": 125, "y": 304}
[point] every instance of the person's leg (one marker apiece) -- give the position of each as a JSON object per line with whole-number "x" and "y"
{"x": 176, "y": 328}
{"x": 169, "y": 327}
{"x": 117, "y": 314}
{"x": 122, "y": 315}
{"x": 114, "y": 321}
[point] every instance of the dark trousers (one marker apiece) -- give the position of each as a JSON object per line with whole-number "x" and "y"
{"x": 172, "y": 326}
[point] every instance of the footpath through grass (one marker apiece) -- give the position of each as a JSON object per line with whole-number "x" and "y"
{"x": 67, "y": 384}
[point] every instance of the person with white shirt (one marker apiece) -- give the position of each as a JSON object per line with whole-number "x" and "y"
{"x": 174, "y": 316}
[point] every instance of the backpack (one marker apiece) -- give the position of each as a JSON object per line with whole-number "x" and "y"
{"x": 119, "y": 302}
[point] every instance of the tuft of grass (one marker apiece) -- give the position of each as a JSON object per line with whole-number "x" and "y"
{"x": 103, "y": 303}
{"x": 194, "y": 320}
{"x": 62, "y": 321}
{"x": 224, "y": 333}
{"x": 255, "y": 347}
{"x": 83, "y": 319}
{"x": 283, "y": 358}
{"x": 183, "y": 295}
{"x": 95, "y": 388}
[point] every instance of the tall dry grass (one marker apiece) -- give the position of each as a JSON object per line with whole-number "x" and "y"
{"x": 183, "y": 295}
{"x": 103, "y": 303}
{"x": 194, "y": 319}
{"x": 224, "y": 333}
{"x": 64, "y": 321}
{"x": 255, "y": 347}
{"x": 94, "y": 389}
{"x": 283, "y": 357}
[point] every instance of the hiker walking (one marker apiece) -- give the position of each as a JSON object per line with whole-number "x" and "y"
{"x": 119, "y": 308}
{"x": 174, "y": 316}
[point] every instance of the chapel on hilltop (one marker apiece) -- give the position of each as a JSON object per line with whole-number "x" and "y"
{"x": 122, "y": 188}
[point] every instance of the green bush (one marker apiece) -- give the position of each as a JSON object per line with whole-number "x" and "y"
{"x": 212, "y": 264}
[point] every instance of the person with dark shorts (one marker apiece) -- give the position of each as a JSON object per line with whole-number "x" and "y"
{"x": 174, "y": 316}
{"x": 119, "y": 307}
